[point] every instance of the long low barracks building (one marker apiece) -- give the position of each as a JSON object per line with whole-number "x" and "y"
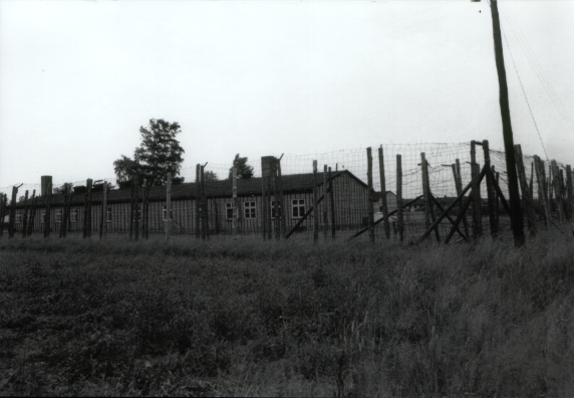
{"x": 350, "y": 196}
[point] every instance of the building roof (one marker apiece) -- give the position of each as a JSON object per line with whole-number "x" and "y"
{"x": 296, "y": 183}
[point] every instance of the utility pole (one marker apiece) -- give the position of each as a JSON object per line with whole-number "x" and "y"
{"x": 515, "y": 206}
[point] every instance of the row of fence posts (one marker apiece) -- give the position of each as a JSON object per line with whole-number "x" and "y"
{"x": 555, "y": 192}
{"x": 557, "y": 185}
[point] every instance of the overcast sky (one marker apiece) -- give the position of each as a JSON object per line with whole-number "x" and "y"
{"x": 79, "y": 78}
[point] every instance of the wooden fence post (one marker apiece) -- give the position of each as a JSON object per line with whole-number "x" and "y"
{"x": 458, "y": 186}
{"x": 283, "y": 208}
{"x": 104, "y": 215}
{"x": 332, "y": 206}
{"x": 234, "y": 200}
{"x": 490, "y": 191}
{"x": 25, "y": 216}
{"x": 325, "y": 205}
{"x": 315, "y": 206}
{"x": 12, "y": 212}
{"x": 132, "y": 208}
{"x": 137, "y": 210}
{"x": 48, "y": 218}
{"x": 278, "y": 202}
{"x": 400, "y": 225}
{"x": 32, "y": 212}
{"x": 204, "y": 218}
{"x": 2, "y": 209}
{"x": 429, "y": 207}
{"x": 370, "y": 196}
{"x": 168, "y": 205}
{"x": 146, "y": 188}
{"x": 476, "y": 200}
{"x": 541, "y": 189}
{"x": 569, "y": 192}
{"x": 497, "y": 198}
{"x": 89, "y": 221}
{"x": 197, "y": 201}
{"x": 385, "y": 209}
{"x": 64, "y": 223}
{"x": 527, "y": 199}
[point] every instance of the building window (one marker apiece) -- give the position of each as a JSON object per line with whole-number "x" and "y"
{"x": 58, "y": 215}
{"x": 275, "y": 212}
{"x": 43, "y": 218}
{"x": 165, "y": 213}
{"x": 109, "y": 214}
{"x": 74, "y": 215}
{"x": 298, "y": 208}
{"x": 249, "y": 210}
{"x": 229, "y": 210}
{"x": 18, "y": 218}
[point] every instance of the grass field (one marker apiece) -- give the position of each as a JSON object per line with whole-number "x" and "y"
{"x": 248, "y": 318}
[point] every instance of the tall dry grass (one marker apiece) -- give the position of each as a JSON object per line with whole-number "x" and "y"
{"x": 247, "y": 317}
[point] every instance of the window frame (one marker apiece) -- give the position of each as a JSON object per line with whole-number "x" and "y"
{"x": 164, "y": 212}
{"x": 18, "y": 217}
{"x": 73, "y": 214}
{"x": 298, "y": 204}
{"x": 229, "y": 210}
{"x": 60, "y": 213}
{"x": 250, "y": 210}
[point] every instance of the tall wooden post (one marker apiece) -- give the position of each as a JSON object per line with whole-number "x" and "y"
{"x": 132, "y": 208}
{"x": 204, "y": 206}
{"x": 89, "y": 220}
{"x": 332, "y": 206}
{"x": 516, "y": 209}
{"x": 25, "y": 216}
{"x": 283, "y": 208}
{"x": 386, "y": 225}
{"x": 278, "y": 203}
{"x": 64, "y": 223}
{"x": 370, "y": 196}
{"x": 2, "y": 210}
{"x": 542, "y": 199}
{"x": 476, "y": 200}
{"x": 429, "y": 207}
{"x": 497, "y": 198}
{"x": 168, "y": 206}
{"x": 234, "y": 200}
{"x": 32, "y": 212}
{"x": 325, "y": 204}
{"x": 198, "y": 211}
{"x": 48, "y": 218}
{"x": 490, "y": 191}
{"x": 315, "y": 204}
{"x": 400, "y": 222}
{"x": 12, "y": 212}
{"x": 266, "y": 165}
{"x": 557, "y": 189}
{"x": 104, "y": 224}
{"x": 146, "y": 188}
{"x": 569, "y": 192}
{"x": 527, "y": 199}
{"x": 458, "y": 186}
{"x": 137, "y": 210}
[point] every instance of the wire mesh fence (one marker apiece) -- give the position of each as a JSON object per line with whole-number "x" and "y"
{"x": 208, "y": 209}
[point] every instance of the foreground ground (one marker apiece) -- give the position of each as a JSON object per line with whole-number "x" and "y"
{"x": 249, "y": 318}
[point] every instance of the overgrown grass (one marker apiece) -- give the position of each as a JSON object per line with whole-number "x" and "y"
{"x": 246, "y": 317}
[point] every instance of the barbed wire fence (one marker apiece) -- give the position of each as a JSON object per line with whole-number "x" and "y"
{"x": 553, "y": 210}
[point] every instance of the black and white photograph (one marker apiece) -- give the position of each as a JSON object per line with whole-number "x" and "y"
{"x": 310, "y": 198}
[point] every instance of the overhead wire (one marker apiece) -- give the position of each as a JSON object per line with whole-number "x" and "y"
{"x": 524, "y": 92}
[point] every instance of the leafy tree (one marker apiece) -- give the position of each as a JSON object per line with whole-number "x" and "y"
{"x": 158, "y": 154}
{"x": 210, "y": 176}
{"x": 244, "y": 170}
{"x": 62, "y": 189}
